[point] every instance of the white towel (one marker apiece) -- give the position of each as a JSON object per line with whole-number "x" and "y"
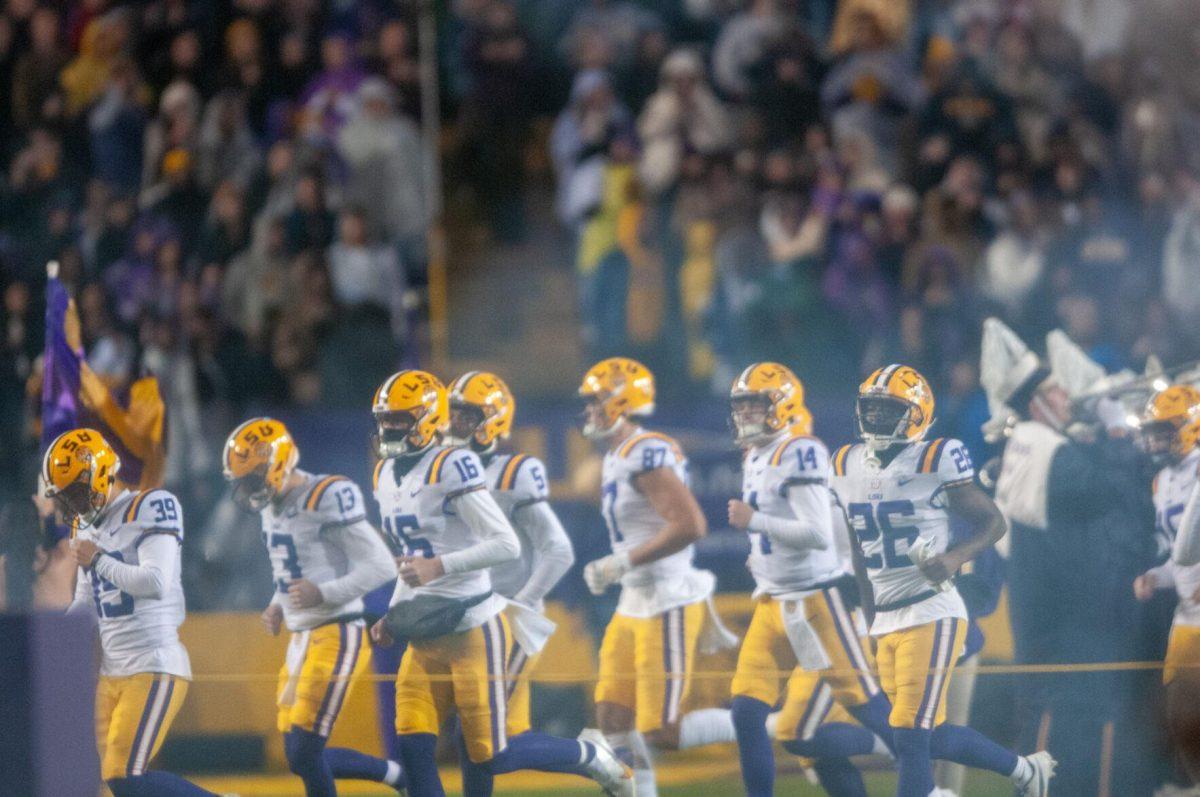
{"x": 530, "y": 628}
{"x": 714, "y": 635}
{"x": 806, "y": 642}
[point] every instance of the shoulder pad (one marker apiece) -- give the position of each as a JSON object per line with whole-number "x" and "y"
{"x": 839, "y": 459}
{"x": 336, "y": 499}
{"x": 455, "y": 468}
{"x": 155, "y": 509}
{"x": 525, "y": 475}
{"x": 948, "y": 458}
{"x": 806, "y": 456}
{"x": 649, "y": 450}
{"x": 376, "y": 473}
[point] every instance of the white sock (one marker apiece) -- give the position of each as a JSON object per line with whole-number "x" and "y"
{"x": 706, "y": 726}
{"x": 645, "y": 784}
{"x": 880, "y": 748}
{"x": 393, "y": 774}
{"x": 772, "y": 724}
{"x": 1023, "y": 770}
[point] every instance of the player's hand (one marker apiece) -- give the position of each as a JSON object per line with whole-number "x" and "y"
{"x": 941, "y": 567}
{"x": 1143, "y": 587}
{"x": 417, "y": 571}
{"x": 740, "y": 513}
{"x": 303, "y": 594}
{"x": 380, "y": 634}
{"x": 272, "y": 619}
{"x": 602, "y": 573}
{"x": 85, "y": 552}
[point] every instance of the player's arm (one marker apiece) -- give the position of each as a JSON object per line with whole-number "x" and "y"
{"x": 1154, "y": 579}
{"x": 157, "y": 568}
{"x": 683, "y": 524}
{"x": 497, "y": 544}
{"x": 552, "y": 551}
{"x": 371, "y": 564}
{"x": 1186, "y": 551}
{"x": 969, "y": 504}
{"x": 81, "y": 601}
{"x": 807, "y": 495}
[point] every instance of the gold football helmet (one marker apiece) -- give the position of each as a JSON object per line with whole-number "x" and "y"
{"x": 1170, "y": 424}
{"x": 895, "y": 405}
{"x": 412, "y": 412}
{"x": 766, "y": 399}
{"x": 481, "y": 409}
{"x": 259, "y": 456}
{"x": 613, "y": 389}
{"x": 79, "y": 470}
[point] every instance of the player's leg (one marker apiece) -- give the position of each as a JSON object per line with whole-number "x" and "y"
{"x": 822, "y": 733}
{"x": 919, "y": 660}
{"x": 665, "y": 657}
{"x": 477, "y": 780}
{"x": 479, "y": 670}
{"x": 1183, "y": 697}
{"x": 851, "y": 672}
{"x": 755, "y": 691}
{"x": 421, "y": 702}
{"x": 143, "y": 707}
{"x": 949, "y": 774}
{"x": 616, "y": 702}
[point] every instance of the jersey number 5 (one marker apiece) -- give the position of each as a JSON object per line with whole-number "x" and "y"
{"x": 877, "y": 521}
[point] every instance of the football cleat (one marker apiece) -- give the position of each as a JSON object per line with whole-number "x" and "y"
{"x": 605, "y": 768}
{"x": 1038, "y": 783}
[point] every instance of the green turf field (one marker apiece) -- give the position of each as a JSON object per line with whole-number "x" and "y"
{"x": 532, "y": 785}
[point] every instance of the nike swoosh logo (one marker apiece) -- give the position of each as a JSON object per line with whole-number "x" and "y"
{"x": 902, "y": 482}
{"x": 414, "y": 493}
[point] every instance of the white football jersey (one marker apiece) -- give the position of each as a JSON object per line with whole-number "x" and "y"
{"x": 294, "y": 538}
{"x": 418, "y": 520}
{"x": 769, "y": 472}
{"x": 655, "y": 587}
{"x": 515, "y": 481}
{"x": 1172, "y": 487}
{"x": 138, "y": 635}
{"x": 891, "y": 509}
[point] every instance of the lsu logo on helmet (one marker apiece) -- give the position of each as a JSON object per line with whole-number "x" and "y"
{"x": 79, "y": 470}
{"x": 259, "y": 456}
{"x": 766, "y": 399}
{"x": 895, "y": 405}
{"x": 412, "y": 412}
{"x": 1170, "y": 424}
{"x": 616, "y": 388}
{"x": 487, "y": 400}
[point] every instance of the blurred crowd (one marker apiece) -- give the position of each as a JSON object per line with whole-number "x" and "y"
{"x": 839, "y": 185}
{"x": 235, "y": 193}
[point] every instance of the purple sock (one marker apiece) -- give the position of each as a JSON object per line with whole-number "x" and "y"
{"x": 156, "y": 784}
{"x": 347, "y": 764}
{"x": 969, "y": 747}
{"x": 914, "y": 762}
{"x": 839, "y": 778}
{"x": 874, "y": 716}
{"x": 833, "y": 740}
{"x": 754, "y": 745}
{"x": 477, "y": 778}
{"x": 542, "y": 752}
{"x": 420, "y": 766}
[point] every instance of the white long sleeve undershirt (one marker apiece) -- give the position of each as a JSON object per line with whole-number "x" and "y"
{"x": 551, "y": 549}
{"x": 371, "y": 565}
{"x": 498, "y": 543}
{"x": 1186, "y": 551}
{"x": 157, "y": 568}
{"x": 810, "y": 505}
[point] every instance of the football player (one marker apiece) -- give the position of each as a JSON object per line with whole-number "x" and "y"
{"x": 481, "y": 415}
{"x": 1170, "y": 430}
{"x": 128, "y": 546}
{"x": 900, "y": 492}
{"x": 801, "y": 617}
{"x": 653, "y": 521}
{"x": 324, "y": 557}
{"x": 436, "y": 508}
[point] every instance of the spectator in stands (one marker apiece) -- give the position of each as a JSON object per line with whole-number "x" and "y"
{"x": 580, "y": 141}
{"x": 683, "y": 117}
{"x": 35, "y": 75}
{"x": 116, "y": 122}
{"x": 388, "y": 170}
{"x": 329, "y": 98}
{"x": 310, "y": 224}
{"x": 364, "y": 274}
{"x": 226, "y": 146}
